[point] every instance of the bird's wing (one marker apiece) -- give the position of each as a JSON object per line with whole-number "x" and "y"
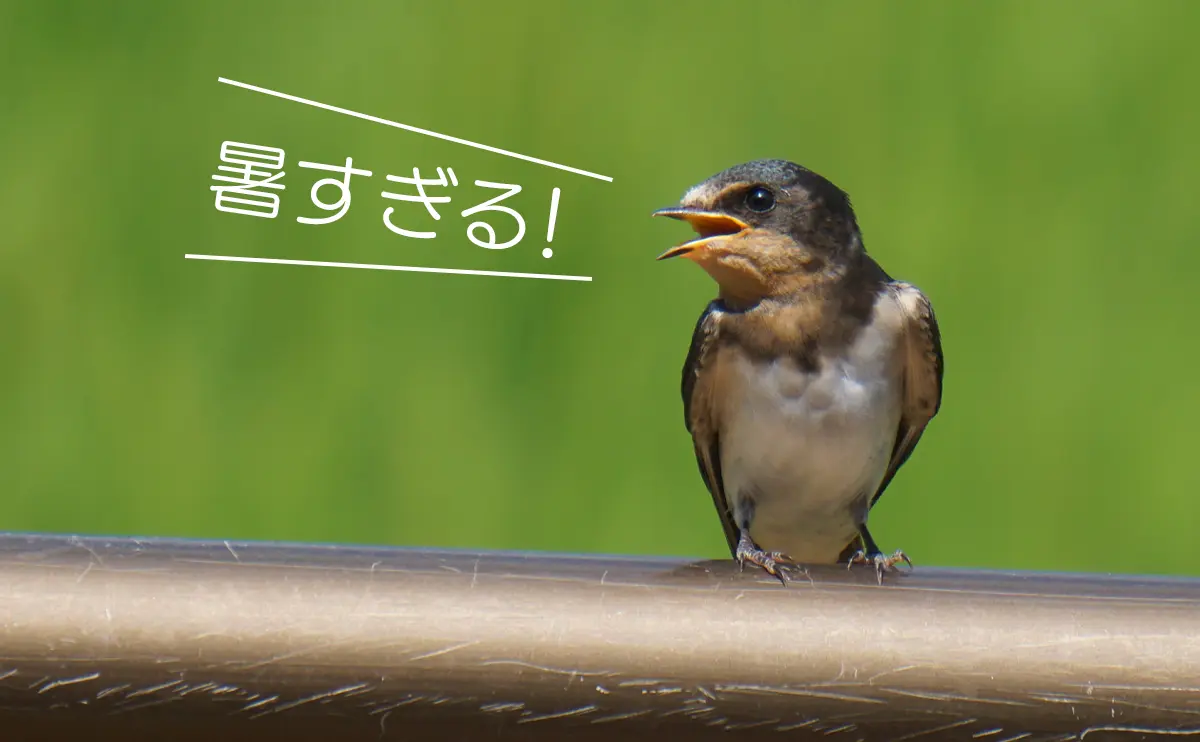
{"x": 922, "y": 375}
{"x": 699, "y": 416}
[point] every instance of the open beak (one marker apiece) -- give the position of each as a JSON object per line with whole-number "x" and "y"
{"x": 708, "y": 224}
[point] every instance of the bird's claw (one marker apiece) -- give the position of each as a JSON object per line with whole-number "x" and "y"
{"x": 774, "y": 563}
{"x": 879, "y": 561}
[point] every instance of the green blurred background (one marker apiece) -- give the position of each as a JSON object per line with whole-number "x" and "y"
{"x": 1032, "y": 166}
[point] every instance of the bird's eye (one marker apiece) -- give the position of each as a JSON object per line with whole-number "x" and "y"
{"x": 760, "y": 199}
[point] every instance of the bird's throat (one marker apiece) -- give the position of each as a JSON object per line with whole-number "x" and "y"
{"x": 740, "y": 282}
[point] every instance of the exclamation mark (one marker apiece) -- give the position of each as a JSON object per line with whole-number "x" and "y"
{"x": 547, "y": 252}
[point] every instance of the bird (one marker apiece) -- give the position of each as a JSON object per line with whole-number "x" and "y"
{"x": 812, "y": 375}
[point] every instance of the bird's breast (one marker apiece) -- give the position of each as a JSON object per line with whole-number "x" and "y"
{"x": 803, "y": 449}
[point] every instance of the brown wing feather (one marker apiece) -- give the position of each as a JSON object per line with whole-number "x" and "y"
{"x": 923, "y": 368}
{"x": 697, "y": 416}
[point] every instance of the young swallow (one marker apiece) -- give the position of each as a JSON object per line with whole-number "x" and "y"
{"x": 811, "y": 376}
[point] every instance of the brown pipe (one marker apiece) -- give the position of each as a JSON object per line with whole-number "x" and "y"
{"x": 106, "y": 638}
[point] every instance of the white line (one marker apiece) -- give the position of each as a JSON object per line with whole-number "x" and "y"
{"x": 553, "y": 214}
{"x": 414, "y": 129}
{"x": 374, "y": 266}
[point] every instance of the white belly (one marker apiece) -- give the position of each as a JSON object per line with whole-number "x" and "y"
{"x": 803, "y": 452}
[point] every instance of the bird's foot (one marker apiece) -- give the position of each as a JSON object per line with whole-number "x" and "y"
{"x": 879, "y": 561}
{"x": 774, "y": 563}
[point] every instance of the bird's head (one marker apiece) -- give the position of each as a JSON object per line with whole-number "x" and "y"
{"x": 767, "y": 228}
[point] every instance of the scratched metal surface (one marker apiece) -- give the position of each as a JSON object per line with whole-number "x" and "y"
{"x": 163, "y": 639}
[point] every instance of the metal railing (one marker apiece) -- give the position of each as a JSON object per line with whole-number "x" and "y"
{"x": 104, "y": 638}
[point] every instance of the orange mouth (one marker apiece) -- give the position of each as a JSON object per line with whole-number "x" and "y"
{"x": 709, "y": 225}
